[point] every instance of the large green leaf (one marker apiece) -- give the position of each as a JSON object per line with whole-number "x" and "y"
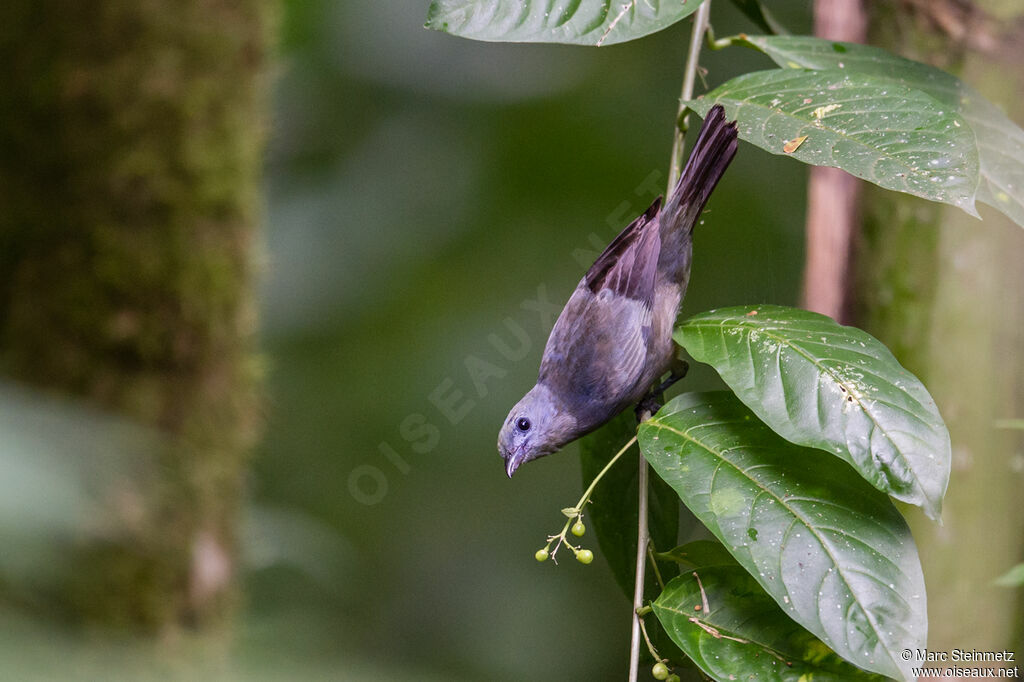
{"x": 831, "y": 550}
{"x": 743, "y": 634}
{"x": 820, "y": 384}
{"x": 578, "y": 22}
{"x": 884, "y": 132}
{"x": 612, "y": 514}
{"x": 1000, "y": 141}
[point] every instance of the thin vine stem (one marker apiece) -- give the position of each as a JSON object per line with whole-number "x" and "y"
{"x": 578, "y": 509}
{"x": 650, "y": 645}
{"x": 700, "y": 25}
{"x": 654, "y": 564}
{"x": 642, "y": 538}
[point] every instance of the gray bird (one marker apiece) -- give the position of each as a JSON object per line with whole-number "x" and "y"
{"x": 613, "y": 339}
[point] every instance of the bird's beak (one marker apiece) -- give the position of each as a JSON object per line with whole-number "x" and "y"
{"x": 514, "y": 459}
{"x": 511, "y": 464}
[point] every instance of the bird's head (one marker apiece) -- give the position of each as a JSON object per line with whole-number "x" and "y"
{"x": 538, "y": 425}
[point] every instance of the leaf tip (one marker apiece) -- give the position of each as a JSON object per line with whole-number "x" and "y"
{"x": 970, "y": 208}
{"x": 933, "y": 510}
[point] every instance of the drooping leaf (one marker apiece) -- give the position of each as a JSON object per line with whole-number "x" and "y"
{"x": 759, "y": 14}
{"x": 1000, "y": 140}
{"x": 577, "y": 22}
{"x": 820, "y": 384}
{"x": 884, "y": 132}
{"x": 612, "y": 514}
{"x": 832, "y": 551}
{"x": 743, "y": 634}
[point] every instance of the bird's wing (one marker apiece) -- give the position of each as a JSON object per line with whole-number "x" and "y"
{"x": 598, "y": 348}
{"x": 627, "y": 266}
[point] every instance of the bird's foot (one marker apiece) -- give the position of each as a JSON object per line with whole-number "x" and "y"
{"x": 647, "y": 408}
{"x": 652, "y": 402}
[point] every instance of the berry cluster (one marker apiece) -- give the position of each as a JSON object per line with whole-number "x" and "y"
{"x": 576, "y": 527}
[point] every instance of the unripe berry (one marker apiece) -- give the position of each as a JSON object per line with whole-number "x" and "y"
{"x": 541, "y": 555}
{"x": 578, "y": 529}
{"x": 672, "y": 678}
{"x": 584, "y": 556}
{"x": 660, "y": 671}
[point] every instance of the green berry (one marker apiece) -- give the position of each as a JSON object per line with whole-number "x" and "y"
{"x": 578, "y": 529}
{"x": 672, "y": 678}
{"x": 660, "y": 671}
{"x": 584, "y": 556}
{"x": 541, "y": 555}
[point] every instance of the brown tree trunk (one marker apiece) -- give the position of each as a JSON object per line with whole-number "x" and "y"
{"x": 832, "y": 194}
{"x": 130, "y": 150}
{"x": 946, "y": 293}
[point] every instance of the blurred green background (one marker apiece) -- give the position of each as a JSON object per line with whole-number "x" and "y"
{"x": 420, "y": 189}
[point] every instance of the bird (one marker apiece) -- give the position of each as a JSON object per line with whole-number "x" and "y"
{"x": 613, "y": 339}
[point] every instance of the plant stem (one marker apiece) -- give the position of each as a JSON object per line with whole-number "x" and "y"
{"x": 583, "y": 501}
{"x": 654, "y": 566}
{"x": 642, "y": 538}
{"x": 650, "y": 645}
{"x": 700, "y": 25}
{"x": 597, "y": 479}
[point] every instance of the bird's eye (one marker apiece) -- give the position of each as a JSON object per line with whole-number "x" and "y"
{"x": 523, "y": 424}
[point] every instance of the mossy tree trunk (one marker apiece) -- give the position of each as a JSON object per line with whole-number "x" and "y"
{"x": 946, "y": 293}
{"x": 131, "y": 137}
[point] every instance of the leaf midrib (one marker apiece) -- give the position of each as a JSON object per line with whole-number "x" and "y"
{"x": 733, "y": 634}
{"x": 748, "y": 640}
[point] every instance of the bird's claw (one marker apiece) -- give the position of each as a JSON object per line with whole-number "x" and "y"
{"x": 647, "y": 408}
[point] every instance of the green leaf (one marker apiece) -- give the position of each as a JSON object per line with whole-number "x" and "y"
{"x": 743, "y": 634}
{"x": 1000, "y": 141}
{"x": 820, "y": 384}
{"x": 612, "y": 514}
{"x": 577, "y": 22}
{"x": 831, "y": 550}
{"x": 884, "y": 132}
{"x": 699, "y": 553}
{"x": 1012, "y": 578}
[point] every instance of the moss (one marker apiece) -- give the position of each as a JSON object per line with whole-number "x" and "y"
{"x": 130, "y": 149}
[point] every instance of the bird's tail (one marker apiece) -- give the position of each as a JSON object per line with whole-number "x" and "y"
{"x": 711, "y": 155}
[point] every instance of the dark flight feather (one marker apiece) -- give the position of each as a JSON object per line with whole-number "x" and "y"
{"x": 712, "y": 153}
{"x": 628, "y": 265}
